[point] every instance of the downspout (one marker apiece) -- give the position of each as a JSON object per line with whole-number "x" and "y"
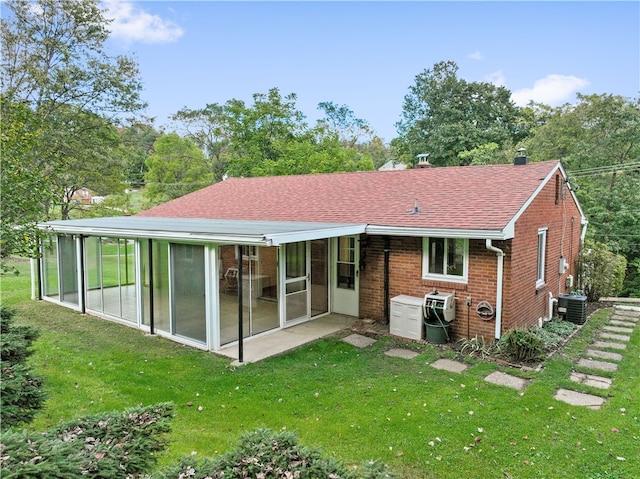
{"x": 386, "y": 280}
{"x": 500, "y": 280}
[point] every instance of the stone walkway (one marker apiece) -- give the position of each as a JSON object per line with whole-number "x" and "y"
{"x": 602, "y": 356}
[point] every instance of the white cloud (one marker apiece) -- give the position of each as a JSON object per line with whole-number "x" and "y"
{"x": 552, "y": 90}
{"x": 476, "y": 56}
{"x": 497, "y": 78}
{"x": 133, "y": 24}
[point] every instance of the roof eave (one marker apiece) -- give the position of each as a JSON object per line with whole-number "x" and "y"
{"x": 504, "y": 234}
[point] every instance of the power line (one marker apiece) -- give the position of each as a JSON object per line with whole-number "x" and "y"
{"x": 601, "y": 170}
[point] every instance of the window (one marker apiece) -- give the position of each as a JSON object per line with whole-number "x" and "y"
{"x": 445, "y": 258}
{"x": 542, "y": 250}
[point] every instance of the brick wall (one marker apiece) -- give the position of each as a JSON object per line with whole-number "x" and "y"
{"x": 523, "y": 304}
{"x": 554, "y": 209}
{"x": 405, "y": 277}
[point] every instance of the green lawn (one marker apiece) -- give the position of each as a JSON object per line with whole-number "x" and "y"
{"x": 357, "y": 404}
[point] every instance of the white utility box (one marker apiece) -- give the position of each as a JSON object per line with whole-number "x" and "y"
{"x": 406, "y": 317}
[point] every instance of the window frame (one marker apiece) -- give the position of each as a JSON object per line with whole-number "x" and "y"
{"x": 426, "y": 245}
{"x": 541, "y": 257}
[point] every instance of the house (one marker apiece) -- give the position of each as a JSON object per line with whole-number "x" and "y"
{"x": 502, "y": 240}
{"x": 393, "y": 165}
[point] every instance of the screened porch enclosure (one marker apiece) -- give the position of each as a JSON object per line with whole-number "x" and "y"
{"x": 205, "y": 294}
{"x": 254, "y": 270}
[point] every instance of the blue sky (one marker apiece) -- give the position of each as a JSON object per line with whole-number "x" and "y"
{"x": 366, "y": 54}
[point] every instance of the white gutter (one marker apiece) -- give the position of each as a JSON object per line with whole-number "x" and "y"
{"x": 438, "y": 232}
{"x": 500, "y": 281}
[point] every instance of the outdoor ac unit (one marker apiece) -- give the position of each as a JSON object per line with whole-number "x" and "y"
{"x": 440, "y": 306}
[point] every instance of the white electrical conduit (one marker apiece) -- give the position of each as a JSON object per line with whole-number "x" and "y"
{"x": 500, "y": 280}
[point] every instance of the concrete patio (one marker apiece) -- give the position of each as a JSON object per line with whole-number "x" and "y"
{"x": 266, "y": 345}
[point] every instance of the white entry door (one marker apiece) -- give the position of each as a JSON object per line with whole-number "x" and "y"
{"x": 346, "y": 276}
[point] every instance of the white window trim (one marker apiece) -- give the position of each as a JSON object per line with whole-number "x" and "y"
{"x": 444, "y": 277}
{"x": 541, "y": 257}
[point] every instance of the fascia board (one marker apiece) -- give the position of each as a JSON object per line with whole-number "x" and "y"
{"x": 277, "y": 239}
{"x": 267, "y": 239}
{"x": 438, "y": 232}
{"x": 258, "y": 240}
{"x": 512, "y": 223}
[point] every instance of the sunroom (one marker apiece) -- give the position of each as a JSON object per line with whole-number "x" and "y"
{"x": 201, "y": 282}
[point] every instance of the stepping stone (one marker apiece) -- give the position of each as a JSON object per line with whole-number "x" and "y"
{"x": 591, "y": 380}
{"x": 609, "y": 345}
{"x": 358, "y": 340}
{"x": 617, "y": 322}
{"x": 632, "y": 310}
{"x": 401, "y": 353}
{"x": 618, "y": 329}
{"x": 601, "y": 365}
{"x": 626, "y": 316}
{"x": 617, "y": 337}
{"x": 504, "y": 379}
{"x": 579, "y": 399}
{"x": 595, "y": 353}
{"x": 449, "y": 365}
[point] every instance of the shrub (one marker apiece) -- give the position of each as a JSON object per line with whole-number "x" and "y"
{"x": 108, "y": 445}
{"x": 603, "y": 272}
{"x": 522, "y": 345}
{"x": 263, "y": 453}
{"x": 21, "y": 394}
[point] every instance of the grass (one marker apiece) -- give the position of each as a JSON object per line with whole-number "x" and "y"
{"x": 357, "y": 404}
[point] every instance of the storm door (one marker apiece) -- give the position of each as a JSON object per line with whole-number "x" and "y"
{"x": 296, "y": 282}
{"x": 346, "y": 272}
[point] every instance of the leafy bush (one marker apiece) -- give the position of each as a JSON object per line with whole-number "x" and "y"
{"x": 263, "y": 453}
{"x": 108, "y": 445}
{"x": 21, "y": 394}
{"x": 603, "y": 272}
{"x": 522, "y": 345}
{"x": 554, "y": 332}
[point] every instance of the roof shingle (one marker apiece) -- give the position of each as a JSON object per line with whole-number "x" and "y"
{"x": 467, "y": 197}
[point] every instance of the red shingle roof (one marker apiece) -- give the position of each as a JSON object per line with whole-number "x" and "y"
{"x": 467, "y": 197}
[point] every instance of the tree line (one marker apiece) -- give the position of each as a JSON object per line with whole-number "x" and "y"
{"x": 71, "y": 119}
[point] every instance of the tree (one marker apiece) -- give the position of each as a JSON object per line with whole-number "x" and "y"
{"x": 209, "y": 128}
{"x": 91, "y": 155}
{"x": 598, "y": 140}
{"x": 270, "y": 137}
{"x": 21, "y": 394}
{"x": 444, "y": 116}
{"x": 176, "y": 167}
{"x": 55, "y": 69}
{"x": 137, "y": 140}
{"x": 342, "y": 121}
{"x": 21, "y": 209}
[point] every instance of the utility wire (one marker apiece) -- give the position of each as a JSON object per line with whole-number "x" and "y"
{"x": 600, "y": 170}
